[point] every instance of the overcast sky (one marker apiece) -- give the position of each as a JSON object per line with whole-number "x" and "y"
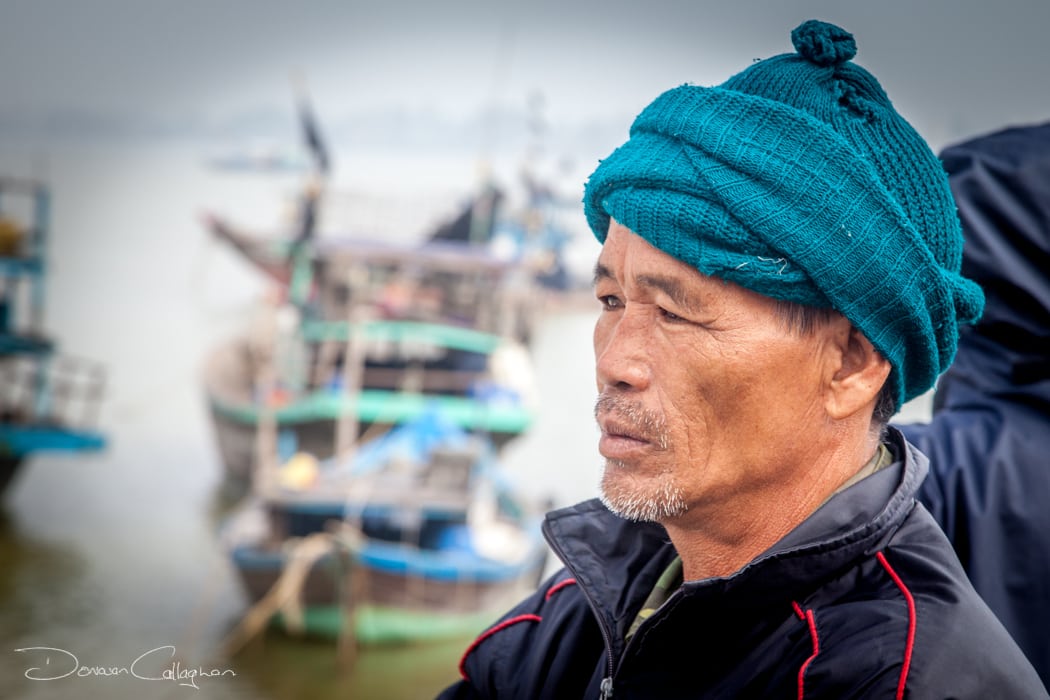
{"x": 955, "y": 68}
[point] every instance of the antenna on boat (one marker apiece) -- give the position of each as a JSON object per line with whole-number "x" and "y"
{"x": 311, "y": 133}
{"x": 299, "y": 285}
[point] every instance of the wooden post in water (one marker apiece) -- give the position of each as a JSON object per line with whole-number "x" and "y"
{"x": 348, "y": 426}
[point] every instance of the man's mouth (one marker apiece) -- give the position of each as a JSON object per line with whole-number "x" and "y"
{"x": 617, "y": 429}
{"x": 620, "y": 441}
{"x": 628, "y": 429}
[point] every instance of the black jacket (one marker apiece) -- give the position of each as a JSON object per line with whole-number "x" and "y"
{"x": 864, "y": 599}
{"x": 989, "y": 439}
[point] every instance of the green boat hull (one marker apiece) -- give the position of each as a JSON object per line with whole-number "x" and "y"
{"x": 380, "y": 625}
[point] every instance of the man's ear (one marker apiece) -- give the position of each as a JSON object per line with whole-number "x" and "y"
{"x": 859, "y": 376}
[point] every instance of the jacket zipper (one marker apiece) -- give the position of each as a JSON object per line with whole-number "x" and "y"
{"x": 607, "y": 682}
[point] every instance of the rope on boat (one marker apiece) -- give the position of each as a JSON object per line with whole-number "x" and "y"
{"x": 285, "y": 596}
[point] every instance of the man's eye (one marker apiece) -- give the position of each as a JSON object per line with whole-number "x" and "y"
{"x": 670, "y": 316}
{"x": 610, "y": 302}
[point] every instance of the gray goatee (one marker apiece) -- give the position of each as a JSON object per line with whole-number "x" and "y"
{"x": 664, "y": 498}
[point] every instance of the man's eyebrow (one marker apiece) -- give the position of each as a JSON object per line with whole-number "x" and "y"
{"x": 672, "y": 288}
{"x": 601, "y": 272}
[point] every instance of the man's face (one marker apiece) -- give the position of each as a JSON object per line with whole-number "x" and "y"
{"x": 705, "y": 395}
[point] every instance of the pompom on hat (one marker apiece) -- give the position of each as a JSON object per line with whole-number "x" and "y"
{"x": 797, "y": 179}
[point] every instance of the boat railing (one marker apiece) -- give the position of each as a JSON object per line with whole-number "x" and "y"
{"x": 55, "y": 390}
{"x": 457, "y": 338}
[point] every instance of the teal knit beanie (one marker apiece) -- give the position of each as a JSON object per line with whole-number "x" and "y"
{"x": 797, "y": 179}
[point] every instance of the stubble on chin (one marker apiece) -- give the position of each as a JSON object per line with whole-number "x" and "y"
{"x": 655, "y": 500}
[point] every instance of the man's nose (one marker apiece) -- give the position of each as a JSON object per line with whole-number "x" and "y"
{"x": 622, "y": 352}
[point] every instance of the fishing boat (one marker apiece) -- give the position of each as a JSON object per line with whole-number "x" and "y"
{"x": 48, "y": 402}
{"x": 412, "y": 538}
{"x": 387, "y": 519}
{"x": 366, "y": 411}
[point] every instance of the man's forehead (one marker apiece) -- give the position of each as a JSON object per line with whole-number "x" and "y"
{"x": 625, "y": 253}
{"x": 625, "y": 248}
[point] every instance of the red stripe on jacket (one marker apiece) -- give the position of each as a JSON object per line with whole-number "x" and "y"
{"x": 909, "y": 645}
{"x": 811, "y": 622}
{"x": 507, "y": 623}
